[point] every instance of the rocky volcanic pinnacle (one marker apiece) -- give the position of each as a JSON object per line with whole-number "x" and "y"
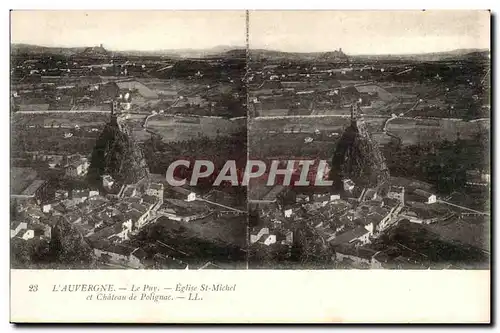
{"x": 358, "y": 157}
{"x": 118, "y": 155}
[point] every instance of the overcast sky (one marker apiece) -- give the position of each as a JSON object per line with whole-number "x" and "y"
{"x": 130, "y": 30}
{"x": 356, "y": 32}
{"x": 369, "y": 32}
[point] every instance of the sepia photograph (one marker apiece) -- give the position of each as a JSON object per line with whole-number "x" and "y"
{"x": 179, "y": 166}
{"x": 397, "y": 106}
{"x": 102, "y": 103}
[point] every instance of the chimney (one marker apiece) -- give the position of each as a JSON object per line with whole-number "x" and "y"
{"x": 340, "y": 49}
{"x": 100, "y": 45}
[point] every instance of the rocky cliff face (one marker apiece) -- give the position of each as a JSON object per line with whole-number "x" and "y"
{"x": 117, "y": 154}
{"x": 358, "y": 157}
{"x": 94, "y": 52}
{"x": 335, "y": 56}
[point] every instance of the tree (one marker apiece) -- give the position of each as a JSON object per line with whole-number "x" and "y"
{"x": 68, "y": 247}
{"x": 20, "y": 254}
{"x": 310, "y": 249}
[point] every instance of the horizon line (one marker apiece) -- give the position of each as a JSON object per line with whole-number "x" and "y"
{"x": 125, "y": 50}
{"x": 251, "y": 49}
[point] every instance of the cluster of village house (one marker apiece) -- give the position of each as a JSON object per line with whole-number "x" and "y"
{"x": 347, "y": 224}
{"x": 106, "y": 218}
{"x": 74, "y": 166}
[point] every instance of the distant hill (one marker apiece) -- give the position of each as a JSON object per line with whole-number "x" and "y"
{"x": 100, "y": 51}
{"x": 221, "y": 50}
{"x": 235, "y": 53}
{"x": 255, "y": 54}
{"x": 94, "y": 52}
{"x": 454, "y": 55}
{"x": 333, "y": 56}
{"x": 470, "y": 55}
{"x": 28, "y": 49}
{"x": 339, "y": 56}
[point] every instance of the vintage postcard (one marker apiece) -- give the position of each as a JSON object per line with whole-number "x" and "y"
{"x": 250, "y": 166}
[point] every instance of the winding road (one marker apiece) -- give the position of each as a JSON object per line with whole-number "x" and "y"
{"x": 392, "y": 117}
{"x": 462, "y": 207}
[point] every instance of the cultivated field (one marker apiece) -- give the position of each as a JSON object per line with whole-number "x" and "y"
{"x": 186, "y": 128}
{"x": 414, "y": 131}
{"x": 473, "y": 230}
{"x": 290, "y": 145}
{"x": 56, "y": 119}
